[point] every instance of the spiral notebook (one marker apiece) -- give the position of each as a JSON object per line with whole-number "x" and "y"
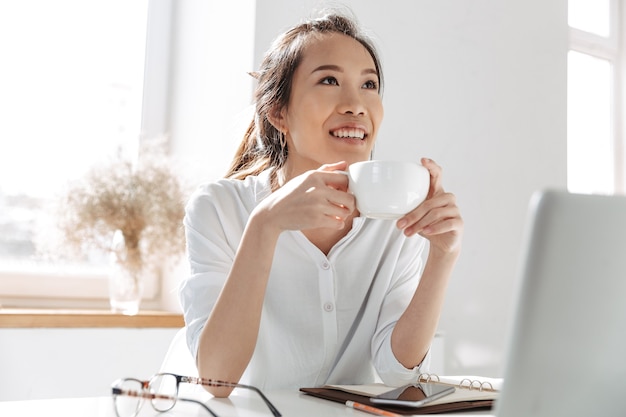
{"x": 472, "y": 393}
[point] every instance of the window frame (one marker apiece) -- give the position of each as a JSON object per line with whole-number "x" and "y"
{"x": 612, "y": 49}
{"x": 57, "y": 286}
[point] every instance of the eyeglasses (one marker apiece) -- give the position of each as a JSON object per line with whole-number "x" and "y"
{"x": 167, "y": 384}
{"x": 162, "y": 391}
{"x": 128, "y": 395}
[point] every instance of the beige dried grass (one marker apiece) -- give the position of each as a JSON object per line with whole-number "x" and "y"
{"x": 145, "y": 201}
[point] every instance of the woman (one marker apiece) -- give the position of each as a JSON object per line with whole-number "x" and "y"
{"x": 289, "y": 286}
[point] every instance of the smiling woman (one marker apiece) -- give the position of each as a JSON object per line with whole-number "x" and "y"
{"x": 71, "y": 94}
{"x": 354, "y": 308}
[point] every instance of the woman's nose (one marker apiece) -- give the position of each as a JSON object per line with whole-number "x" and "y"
{"x": 352, "y": 103}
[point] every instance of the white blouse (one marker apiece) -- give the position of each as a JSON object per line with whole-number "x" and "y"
{"x": 325, "y": 319}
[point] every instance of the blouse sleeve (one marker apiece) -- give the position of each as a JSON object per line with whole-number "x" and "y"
{"x": 212, "y": 239}
{"x": 407, "y": 275}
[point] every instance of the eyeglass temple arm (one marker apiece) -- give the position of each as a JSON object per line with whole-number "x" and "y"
{"x": 217, "y": 383}
{"x": 200, "y": 403}
{"x": 273, "y": 409}
{"x": 141, "y": 394}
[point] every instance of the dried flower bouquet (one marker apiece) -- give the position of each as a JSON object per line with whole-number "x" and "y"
{"x": 144, "y": 201}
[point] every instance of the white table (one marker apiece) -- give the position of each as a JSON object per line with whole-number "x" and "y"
{"x": 239, "y": 404}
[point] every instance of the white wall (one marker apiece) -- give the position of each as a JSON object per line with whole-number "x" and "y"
{"x": 210, "y": 89}
{"x": 479, "y": 86}
{"x": 58, "y": 363}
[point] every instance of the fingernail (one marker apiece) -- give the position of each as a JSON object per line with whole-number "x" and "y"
{"x": 401, "y": 224}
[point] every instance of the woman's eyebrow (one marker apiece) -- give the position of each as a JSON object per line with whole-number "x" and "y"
{"x": 370, "y": 71}
{"x": 331, "y": 67}
{"x": 328, "y": 67}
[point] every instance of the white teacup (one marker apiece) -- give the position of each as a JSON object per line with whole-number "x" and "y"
{"x": 388, "y": 189}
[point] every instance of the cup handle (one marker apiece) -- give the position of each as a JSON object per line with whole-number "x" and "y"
{"x": 347, "y": 174}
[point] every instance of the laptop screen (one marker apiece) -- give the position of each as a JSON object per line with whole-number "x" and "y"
{"x": 567, "y": 348}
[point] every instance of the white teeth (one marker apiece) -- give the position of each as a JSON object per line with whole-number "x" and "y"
{"x": 349, "y": 133}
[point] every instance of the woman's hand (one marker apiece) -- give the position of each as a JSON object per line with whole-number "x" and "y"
{"x": 314, "y": 199}
{"x": 438, "y": 218}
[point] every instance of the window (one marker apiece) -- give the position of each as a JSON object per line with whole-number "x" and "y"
{"x": 595, "y": 137}
{"x": 72, "y": 87}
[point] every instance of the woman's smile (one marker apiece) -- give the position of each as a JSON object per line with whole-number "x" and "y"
{"x": 354, "y": 131}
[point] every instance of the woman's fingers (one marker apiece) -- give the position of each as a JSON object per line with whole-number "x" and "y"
{"x": 431, "y": 211}
{"x": 438, "y": 218}
{"x": 435, "y": 176}
{"x": 314, "y": 199}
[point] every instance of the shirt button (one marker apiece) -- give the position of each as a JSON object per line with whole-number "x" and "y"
{"x": 325, "y": 265}
{"x": 328, "y": 307}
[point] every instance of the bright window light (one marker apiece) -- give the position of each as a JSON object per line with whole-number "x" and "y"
{"x": 589, "y": 134}
{"x": 71, "y": 83}
{"x": 590, "y": 16}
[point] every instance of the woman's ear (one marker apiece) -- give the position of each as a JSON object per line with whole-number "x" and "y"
{"x": 277, "y": 118}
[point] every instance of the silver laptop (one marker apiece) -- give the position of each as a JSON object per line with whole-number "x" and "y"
{"x": 567, "y": 348}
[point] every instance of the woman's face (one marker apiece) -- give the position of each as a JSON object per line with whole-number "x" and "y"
{"x": 334, "y": 109}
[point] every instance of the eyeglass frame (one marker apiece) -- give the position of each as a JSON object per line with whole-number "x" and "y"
{"x": 144, "y": 393}
{"x": 215, "y": 383}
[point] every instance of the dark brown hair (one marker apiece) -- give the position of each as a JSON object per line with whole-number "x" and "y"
{"x": 263, "y": 145}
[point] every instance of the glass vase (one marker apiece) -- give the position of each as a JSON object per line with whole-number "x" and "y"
{"x": 125, "y": 283}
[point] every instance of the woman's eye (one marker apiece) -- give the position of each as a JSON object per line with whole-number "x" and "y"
{"x": 373, "y": 85}
{"x": 329, "y": 81}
